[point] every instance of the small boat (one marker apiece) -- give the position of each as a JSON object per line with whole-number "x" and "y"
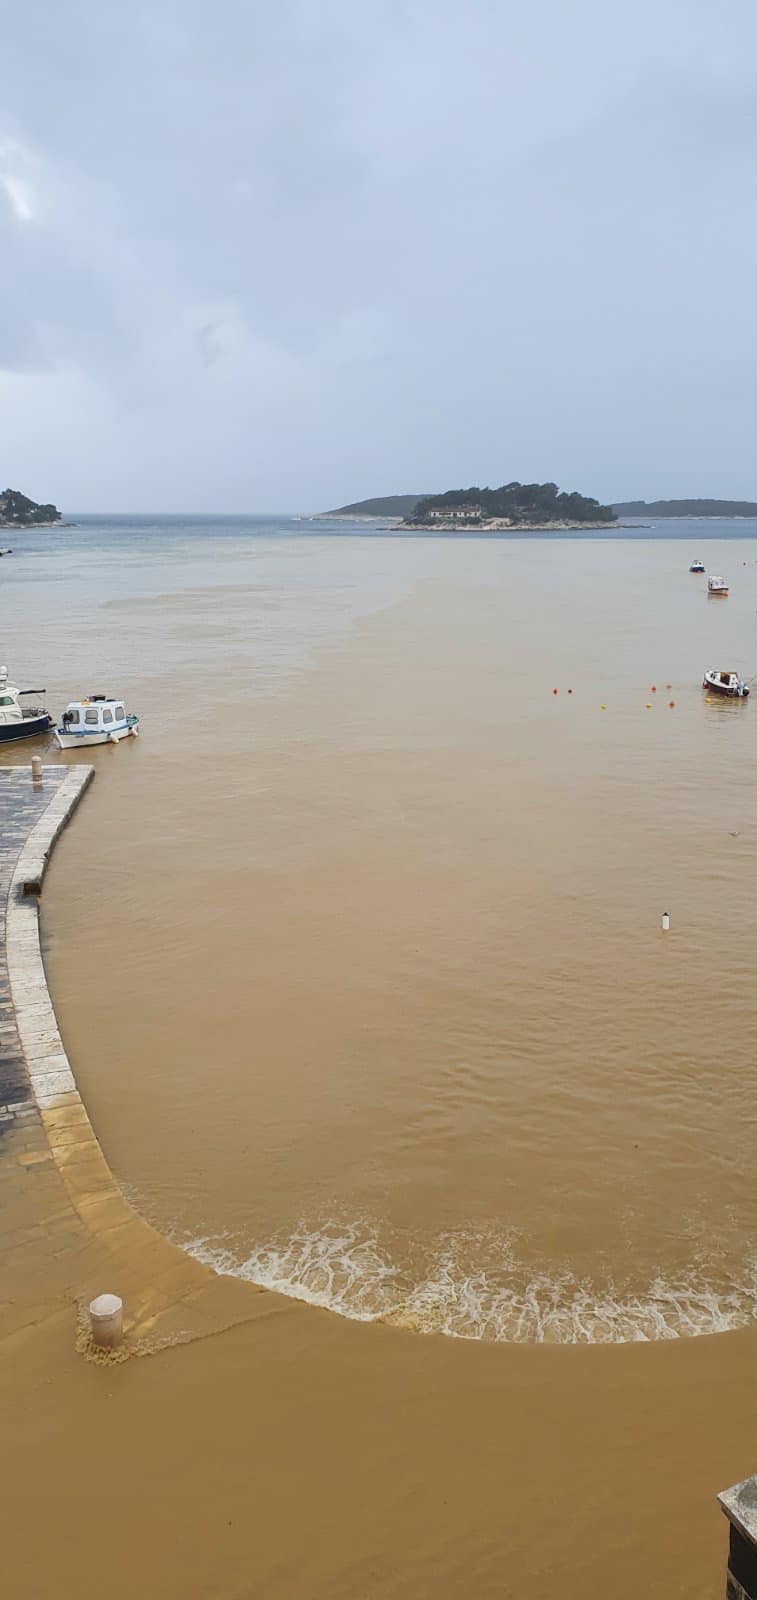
{"x": 6, "y": 552}
{"x": 96, "y": 720}
{"x": 17, "y": 721}
{"x": 728, "y": 683}
{"x": 696, "y": 566}
{"x": 717, "y": 586}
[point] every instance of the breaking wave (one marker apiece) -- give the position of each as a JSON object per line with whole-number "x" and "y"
{"x": 345, "y": 1269}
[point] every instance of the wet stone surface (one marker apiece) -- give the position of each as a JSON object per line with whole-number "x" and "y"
{"x": 22, "y": 803}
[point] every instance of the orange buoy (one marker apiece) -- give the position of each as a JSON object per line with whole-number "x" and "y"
{"x": 554, "y": 691}
{"x": 671, "y": 704}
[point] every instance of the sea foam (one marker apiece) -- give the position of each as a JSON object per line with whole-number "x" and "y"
{"x": 343, "y": 1268}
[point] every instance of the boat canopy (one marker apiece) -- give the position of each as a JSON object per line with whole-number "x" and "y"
{"x": 98, "y": 714}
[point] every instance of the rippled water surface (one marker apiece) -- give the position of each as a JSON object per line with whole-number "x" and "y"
{"x": 357, "y": 950}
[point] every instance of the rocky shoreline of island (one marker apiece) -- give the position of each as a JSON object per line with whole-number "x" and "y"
{"x": 501, "y": 525}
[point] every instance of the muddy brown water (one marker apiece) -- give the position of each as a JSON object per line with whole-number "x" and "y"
{"x": 357, "y": 953}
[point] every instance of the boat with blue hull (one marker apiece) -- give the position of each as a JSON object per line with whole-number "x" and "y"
{"x": 17, "y": 721}
{"x": 96, "y": 720}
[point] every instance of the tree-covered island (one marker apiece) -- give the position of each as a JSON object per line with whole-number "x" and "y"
{"x": 514, "y": 505}
{"x": 17, "y": 511}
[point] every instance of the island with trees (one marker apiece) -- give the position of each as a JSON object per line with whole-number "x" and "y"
{"x": 686, "y": 508}
{"x": 520, "y": 506}
{"x": 18, "y": 511}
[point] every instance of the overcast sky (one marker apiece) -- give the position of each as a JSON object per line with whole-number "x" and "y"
{"x": 260, "y": 256}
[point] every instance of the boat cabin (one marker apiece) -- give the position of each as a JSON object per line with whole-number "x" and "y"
{"x": 726, "y": 683}
{"x": 98, "y": 714}
{"x": 10, "y": 705}
{"x": 17, "y": 721}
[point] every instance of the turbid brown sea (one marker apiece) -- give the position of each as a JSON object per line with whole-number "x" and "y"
{"x": 357, "y": 954}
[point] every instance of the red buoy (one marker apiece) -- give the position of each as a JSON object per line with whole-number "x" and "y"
{"x": 570, "y": 691}
{"x": 554, "y": 691}
{"x": 671, "y": 704}
{"x": 654, "y": 688}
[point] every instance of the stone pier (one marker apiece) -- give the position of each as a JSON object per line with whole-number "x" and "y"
{"x": 740, "y": 1507}
{"x": 66, "y": 1231}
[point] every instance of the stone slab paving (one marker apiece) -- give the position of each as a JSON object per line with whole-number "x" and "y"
{"x": 66, "y": 1231}
{"x": 22, "y": 803}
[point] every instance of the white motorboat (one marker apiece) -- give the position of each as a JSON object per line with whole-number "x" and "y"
{"x": 696, "y": 566}
{"x": 728, "y": 683}
{"x": 96, "y": 720}
{"x": 17, "y": 721}
{"x": 718, "y": 586}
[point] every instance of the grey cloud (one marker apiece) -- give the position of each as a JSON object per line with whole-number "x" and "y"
{"x": 277, "y": 255}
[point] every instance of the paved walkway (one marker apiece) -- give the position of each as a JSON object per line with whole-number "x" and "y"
{"x": 66, "y": 1231}
{"x": 22, "y": 803}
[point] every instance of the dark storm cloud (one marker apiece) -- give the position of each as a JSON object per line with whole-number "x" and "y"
{"x": 259, "y": 257}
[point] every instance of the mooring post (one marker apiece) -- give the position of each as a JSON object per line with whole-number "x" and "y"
{"x": 740, "y": 1507}
{"x": 36, "y": 770}
{"x": 106, "y": 1320}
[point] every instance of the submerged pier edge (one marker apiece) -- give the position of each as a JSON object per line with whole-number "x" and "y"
{"x": 168, "y": 1296}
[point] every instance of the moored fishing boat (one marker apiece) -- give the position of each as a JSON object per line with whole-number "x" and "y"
{"x": 696, "y": 566}
{"x": 728, "y": 683}
{"x": 17, "y": 721}
{"x": 717, "y": 586}
{"x": 96, "y": 720}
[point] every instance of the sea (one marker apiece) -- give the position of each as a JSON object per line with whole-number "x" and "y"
{"x": 357, "y": 950}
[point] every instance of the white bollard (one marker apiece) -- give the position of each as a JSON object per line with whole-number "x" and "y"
{"x": 36, "y": 769}
{"x": 665, "y": 921}
{"x": 106, "y": 1320}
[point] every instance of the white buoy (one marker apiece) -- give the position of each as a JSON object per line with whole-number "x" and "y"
{"x": 106, "y": 1320}
{"x": 36, "y": 769}
{"x": 665, "y": 921}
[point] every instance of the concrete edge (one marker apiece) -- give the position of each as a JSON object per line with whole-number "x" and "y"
{"x": 162, "y": 1274}
{"x": 46, "y": 1061}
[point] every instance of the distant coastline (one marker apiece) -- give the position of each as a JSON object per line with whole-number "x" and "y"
{"x": 703, "y": 510}
{"x": 388, "y": 505}
{"x": 405, "y": 507}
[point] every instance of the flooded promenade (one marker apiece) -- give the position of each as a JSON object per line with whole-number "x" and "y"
{"x": 67, "y": 1232}
{"x": 362, "y": 934}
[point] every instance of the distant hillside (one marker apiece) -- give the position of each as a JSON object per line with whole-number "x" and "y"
{"x": 686, "y": 508}
{"x": 17, "y": 511}
{"x": 513, "y": 505}
{"x": 388, "y": 505}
